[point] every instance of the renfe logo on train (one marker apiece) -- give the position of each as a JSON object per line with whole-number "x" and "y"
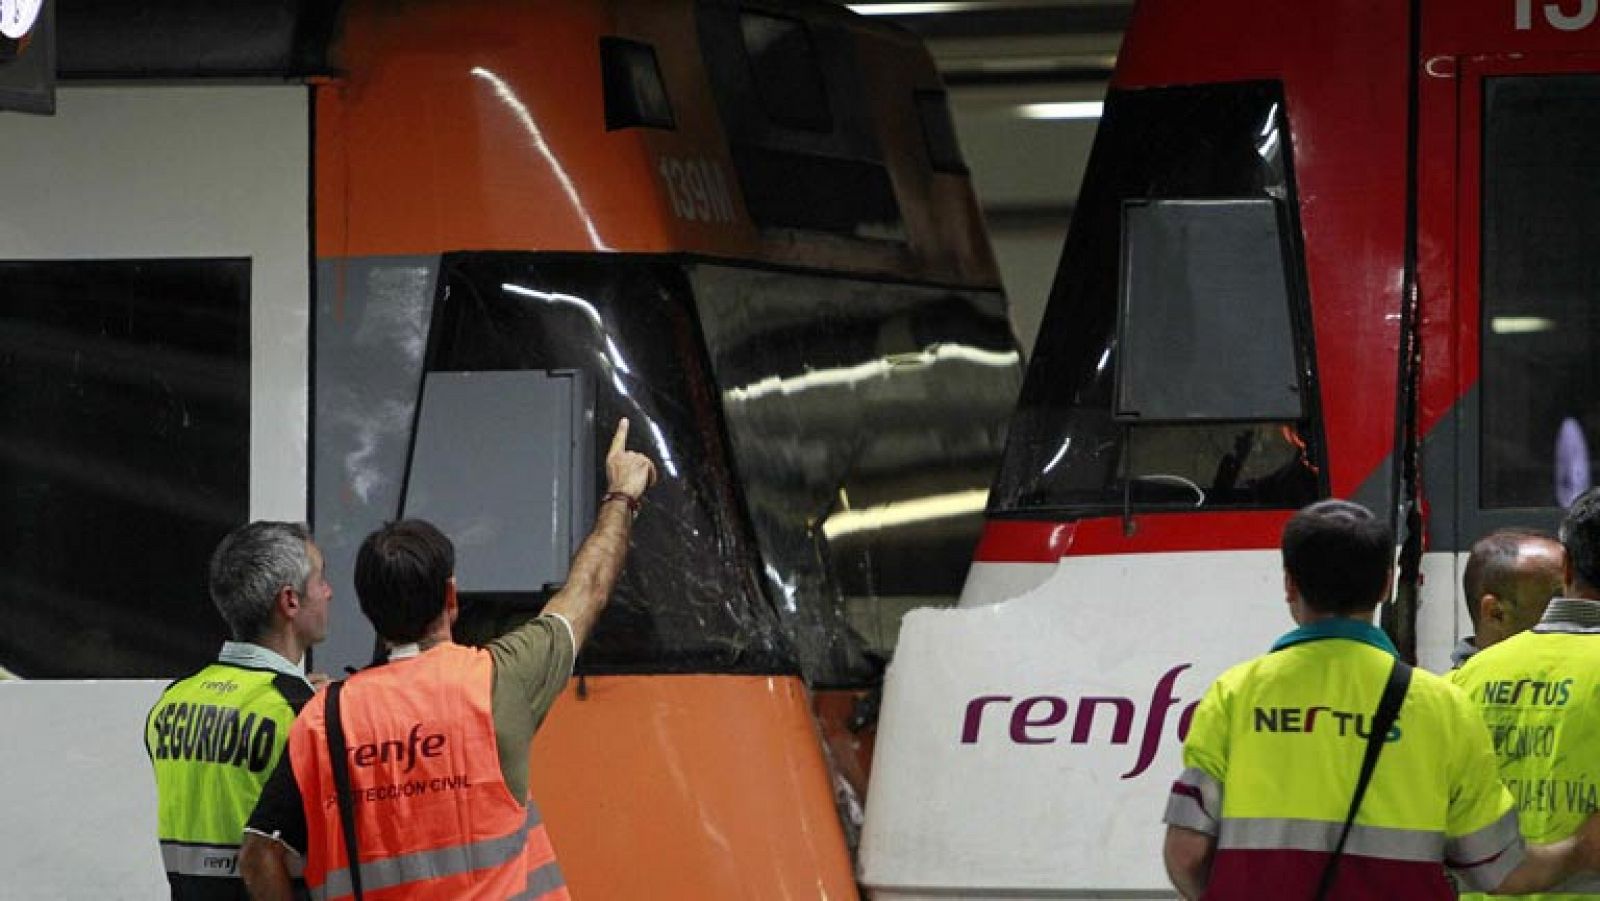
{"x": 1034, "y": 720}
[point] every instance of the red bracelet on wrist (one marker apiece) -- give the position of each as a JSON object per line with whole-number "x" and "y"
{"x": 626, "y": 498}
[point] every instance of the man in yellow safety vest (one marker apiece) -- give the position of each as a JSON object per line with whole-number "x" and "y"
{"x": 215, "y": 736}
{"x": 1538, "y": 693}
{"x": 1276, "y": 748}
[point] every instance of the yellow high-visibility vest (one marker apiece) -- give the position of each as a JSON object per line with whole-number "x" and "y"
{"x": 1272, "y": 758}
{"x": 1539, "y": 694}
{"x": 213, "y": 739}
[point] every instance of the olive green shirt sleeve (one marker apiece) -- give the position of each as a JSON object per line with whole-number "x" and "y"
{"x": 531, "y": 666}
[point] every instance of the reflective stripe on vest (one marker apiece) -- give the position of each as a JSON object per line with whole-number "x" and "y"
{"x": 200, "y": 860}
{"x": 212, "y": 860}
{"x": 213, "y": 739}
{"x": 438, "y": 863}
{"x": 543, "y": 881}
{"x": 1321, "y": 835}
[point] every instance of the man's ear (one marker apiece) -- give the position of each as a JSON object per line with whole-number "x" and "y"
{"x": 452, "y": 606}
{"x": 1290, "y": 590}
{"x": 287, "y": 602}
{"x": 1492, "y": 609}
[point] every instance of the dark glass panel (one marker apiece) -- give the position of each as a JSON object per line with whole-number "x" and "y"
{"x": 867, "y": 420}
{"x": 1540, "y": 290}
{"x": 688, "y": 600}
{"x": 124, "y": 458}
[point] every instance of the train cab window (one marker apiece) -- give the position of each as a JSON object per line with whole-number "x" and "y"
{"x": 689, "y": 599}
{"x": 1184, "y": 248}
{"x": 1540, "y": 290}
{"x": 125, "y": 439}
{"x": 825, "y": 445}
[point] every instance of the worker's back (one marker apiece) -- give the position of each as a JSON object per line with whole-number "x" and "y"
{"x": 1536, "y": 692}
{"x": 1274, "y": 754}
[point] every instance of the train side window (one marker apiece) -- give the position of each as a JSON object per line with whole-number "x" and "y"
{"x": 1204, "y": 322}
{"x": 939, "y": 132}
{"x": 635, "y": 93}
{"x": 125, "y": 441}
{"x": 1540, "y": 290}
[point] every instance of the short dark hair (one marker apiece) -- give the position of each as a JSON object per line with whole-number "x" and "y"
{"x": 402, "y": 571}
{"x": 248, "y": 569}
{"x": 1492, "y": 565}
{"x": 1339, "y": 556}
{"x": 1580, "y": 535}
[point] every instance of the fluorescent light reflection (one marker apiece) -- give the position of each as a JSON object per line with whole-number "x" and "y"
{"x": 1056, "y": 460}
{"x": 510, "y": 98}
{"x": 1269, "y": 134}
{"x": 1520, "y": 325}
{"x": 912, "y": 9}
{"x": 611, "y": 361}
{"x": 1074, "y": 109}
{"x": 587, "y": 308}
{"x": 872, "y": 369}
{"x": 900, "y": 513}
{"x": 790, "y": 594}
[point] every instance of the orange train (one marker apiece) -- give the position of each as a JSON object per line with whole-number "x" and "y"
{"x": 748, "y": 228}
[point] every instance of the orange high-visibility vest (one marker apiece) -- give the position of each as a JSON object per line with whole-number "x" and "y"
{"x": 434, "y": 817}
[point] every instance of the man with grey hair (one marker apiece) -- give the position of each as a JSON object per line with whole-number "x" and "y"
{"x": 215, "y": 736}
{"x": 1510, "y": 576}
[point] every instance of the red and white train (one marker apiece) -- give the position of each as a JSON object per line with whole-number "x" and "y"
{"x": 1337, "y": 248}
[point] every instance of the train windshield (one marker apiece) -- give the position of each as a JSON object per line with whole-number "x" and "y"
{"x": 1172, "y": 369}
{"x": 824, "y": 444}
{"x": 867, "y": 420}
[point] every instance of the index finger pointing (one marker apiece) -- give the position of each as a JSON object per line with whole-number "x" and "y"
{"x": 619, "y": 441}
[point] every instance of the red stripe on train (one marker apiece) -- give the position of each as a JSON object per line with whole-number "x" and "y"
{"x": 1024, "y": 541}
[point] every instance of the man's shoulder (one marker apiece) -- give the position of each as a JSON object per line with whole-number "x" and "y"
{"x": 1434, "y": 684}
{"x": 544, "y": 640}
{"x": 1511, "y": 654}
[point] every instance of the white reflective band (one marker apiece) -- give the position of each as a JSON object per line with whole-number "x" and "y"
{"x": 1482, "y": 859}
{"x": 201, "y": 860}
{"x": 1195, "y": 802}
{"x": 1379, "y": 842}
{"x": 435, "y": 864}
{"x": 541, "y": 882}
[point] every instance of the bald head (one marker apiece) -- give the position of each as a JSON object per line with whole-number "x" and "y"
{"x": 1510, "y": 577}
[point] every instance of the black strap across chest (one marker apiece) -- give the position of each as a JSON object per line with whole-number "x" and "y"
{"x": 1394, "y": 693}
{"x": 340, "y": 761}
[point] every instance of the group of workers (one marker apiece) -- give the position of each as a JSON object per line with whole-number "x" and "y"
{"x": 1329, "y": 769}
{"x": 275, "y": 784}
